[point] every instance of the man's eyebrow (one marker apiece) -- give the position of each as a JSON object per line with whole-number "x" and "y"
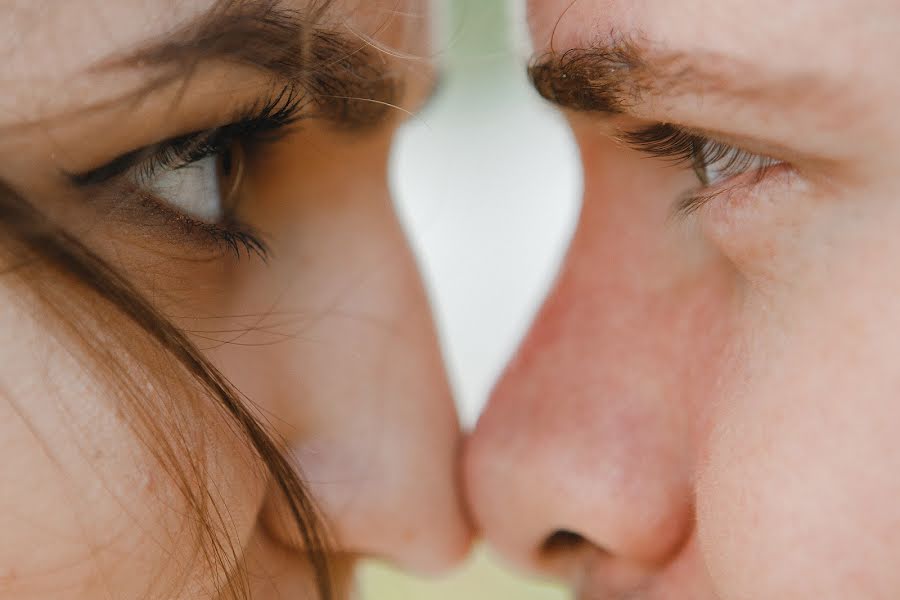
{"x": 348, "y": 81}
{"x": 621, "y": 75}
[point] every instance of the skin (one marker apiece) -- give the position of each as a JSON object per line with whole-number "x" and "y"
{"x": 337, "y": 353}
{"x": 710, "y": 401}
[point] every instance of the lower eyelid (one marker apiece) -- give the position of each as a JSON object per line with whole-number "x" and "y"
{"x": 218, "y": 239}
{"x": 138, "y": 217}
{"x": 742, "y": 193}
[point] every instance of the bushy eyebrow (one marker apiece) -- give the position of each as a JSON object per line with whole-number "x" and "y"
{"x": 620, "y": 75}
{"x": 349, "y": 81}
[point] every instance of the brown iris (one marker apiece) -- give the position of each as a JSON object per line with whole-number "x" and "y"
{"x": 230, "y": 169}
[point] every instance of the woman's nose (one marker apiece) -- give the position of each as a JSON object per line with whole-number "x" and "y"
{"x": 351, "y": 377}
{"x": 380, "y": 438}
{"x": 386, "y": 474}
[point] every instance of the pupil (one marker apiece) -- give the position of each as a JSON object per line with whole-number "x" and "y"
{"x": 227, "y": 163}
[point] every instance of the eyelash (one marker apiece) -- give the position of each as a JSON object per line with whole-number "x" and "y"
{"x": 264, "y": 123}
{"x": 683, "y": 148}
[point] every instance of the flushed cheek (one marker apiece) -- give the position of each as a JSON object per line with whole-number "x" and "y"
{"x": 797, "y": 497}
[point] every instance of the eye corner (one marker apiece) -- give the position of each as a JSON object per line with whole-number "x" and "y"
{"x": 106, "y": 172}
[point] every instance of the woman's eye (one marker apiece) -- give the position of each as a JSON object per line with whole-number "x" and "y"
{"x": 194, "y": 182}
{"x": 205, "y": 189}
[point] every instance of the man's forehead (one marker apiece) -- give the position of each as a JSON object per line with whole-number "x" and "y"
{"x": 736, "y": 23}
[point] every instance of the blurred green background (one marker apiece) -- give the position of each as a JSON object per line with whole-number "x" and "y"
{"x": 482, "y": 578}
{"x": 479, "y": 64}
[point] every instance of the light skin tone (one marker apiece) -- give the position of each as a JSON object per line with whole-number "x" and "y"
{"x": 330, "y": 337}
{"x": 706, "y": 406}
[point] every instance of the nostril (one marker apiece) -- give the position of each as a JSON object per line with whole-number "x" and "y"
{"x": 562, "y": 541}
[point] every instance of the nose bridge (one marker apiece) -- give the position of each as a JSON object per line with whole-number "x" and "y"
{"x": 578, "y": 438}
{"x": 360, "y": 395}
{"x": 587, "y": 432}
{"x": 377, "y": 438}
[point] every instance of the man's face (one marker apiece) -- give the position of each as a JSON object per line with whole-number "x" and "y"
{"x": 707, "y": 406}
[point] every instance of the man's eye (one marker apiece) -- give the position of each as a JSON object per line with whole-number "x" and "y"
{"x": 714, "y": 163}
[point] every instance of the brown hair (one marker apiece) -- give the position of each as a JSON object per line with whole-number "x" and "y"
{"x": 40, "y": 248}
{"x": 49, "y": 260}
{"x": 137, "y": 347}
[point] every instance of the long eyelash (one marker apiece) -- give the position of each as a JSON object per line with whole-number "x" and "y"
{"x": 682, "y": 148}
{"x": 263, "y": 123}
{"x": 234, "y": 237}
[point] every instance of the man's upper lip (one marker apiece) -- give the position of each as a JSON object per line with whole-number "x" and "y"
{"x": 604, "y": 577}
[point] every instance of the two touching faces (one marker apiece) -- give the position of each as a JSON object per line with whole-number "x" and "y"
{"x": 705, "y": 408}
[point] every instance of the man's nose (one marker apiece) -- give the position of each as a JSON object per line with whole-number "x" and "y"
{"x": 578, "y": 475}
{"x": 580, "y": 466}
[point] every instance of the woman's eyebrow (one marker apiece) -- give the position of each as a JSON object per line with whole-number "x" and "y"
{"x": 346, "y": 76}
{"x": 622, "y": 75}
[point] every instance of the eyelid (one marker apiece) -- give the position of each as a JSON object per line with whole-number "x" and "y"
{"x": 754, "y": 144}
{"x": 133, "y": 174}
{"x": 111, "y": 170}
{"x": 741, "y": 168}
{"x": 146, "y": 156}
{"x": 264, "y": 121}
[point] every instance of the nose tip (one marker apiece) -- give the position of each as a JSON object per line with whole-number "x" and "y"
{"x": 567, "y": 492}
{"x": 427, "y": 542}
{"x": 402, "y": 507}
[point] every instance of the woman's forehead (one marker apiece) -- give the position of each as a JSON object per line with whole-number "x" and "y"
{"x": 66, "y": 35}
{"x": 57, "y": 52}
{"x": 54, "y": 36}
{"x": 52, "y": 48}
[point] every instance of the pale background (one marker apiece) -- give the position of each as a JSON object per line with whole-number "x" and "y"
{"x": 488, "y": 186}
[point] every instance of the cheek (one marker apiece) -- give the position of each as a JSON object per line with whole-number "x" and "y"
{"x": 96, "y": 486}
{"x": 797, "y": 494}
{"x": 800, "y": 478}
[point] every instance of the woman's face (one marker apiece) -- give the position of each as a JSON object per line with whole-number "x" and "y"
{"x": 707, "y": 406}
{"x": 229, "y": 159}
